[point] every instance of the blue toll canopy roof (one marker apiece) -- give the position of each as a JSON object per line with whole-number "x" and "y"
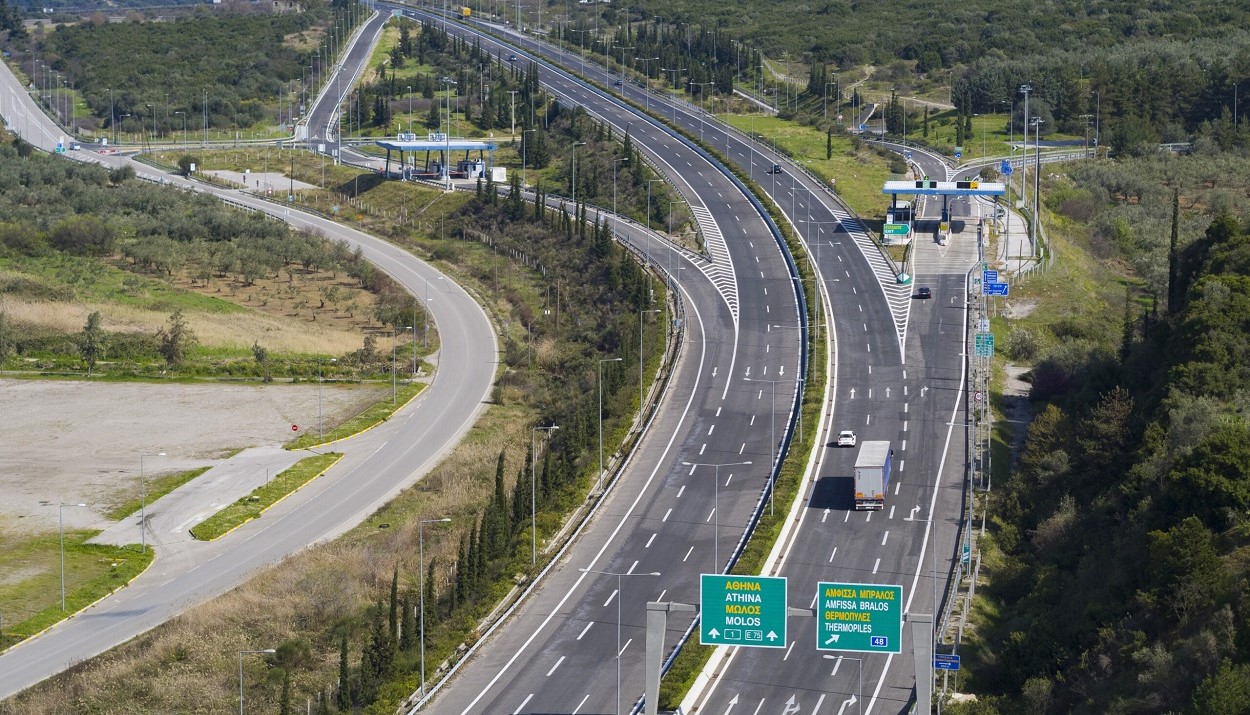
{"x": 434, "y": 142}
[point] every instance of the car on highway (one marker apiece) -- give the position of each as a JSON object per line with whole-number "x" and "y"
{"x": 512, "y": 58}
{"x": 775, "y": 169}
{"x": 924, "y": 293}
{"x": 846, "y": 438}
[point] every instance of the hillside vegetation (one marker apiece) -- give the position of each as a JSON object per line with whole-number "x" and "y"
{"x": 1119, "y": 563}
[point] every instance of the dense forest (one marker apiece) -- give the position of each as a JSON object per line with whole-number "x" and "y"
{"x": 1123, "y": 534}
{"x": 236, "y": 70}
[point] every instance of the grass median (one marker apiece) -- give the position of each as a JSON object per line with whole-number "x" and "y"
{"x": 378, "y": 413}
{"x": 30, "y": 594}
{"x": 263, "y": 497}
{"x": 157, "y": 487}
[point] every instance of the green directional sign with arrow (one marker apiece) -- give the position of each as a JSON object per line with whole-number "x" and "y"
{"x": 859, "y": 617}
{"x": 895, "y": 229}
{"x": 742, "y": 610}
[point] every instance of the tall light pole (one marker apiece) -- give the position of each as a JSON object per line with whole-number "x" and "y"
{"x": 671, "y": 104}
{"x": 421, "y": 585}
{"x": 702, "y": 96}
{"x": 525, "y": 150}
{"x": 1024, "y": 89}
{"x": 574, "y": 182}
{"x": 716, "y": 564}
{"x": 447, "y": 82}
{"x": 394, "y": 372}
{"x": 241, "y": 654}
{"x": 534, "y": 490}
{"x": 143, "y": 506}
{"x": 184, "y": 128}
{"x": 619, "y": 596}
{"x": 640, "y": 334}
{"x": 320, "y": 427}
{"x": 774, "y": 452}
{"x": 859, "y": 690}
{"x": 646, "y": 73}
{"x": 409, "y": 88}
{"x": 60, "y": 517}
{"x": 601, "y": 361}
{"x": 112, "y": 117}
{"x": 1037, "y": 176}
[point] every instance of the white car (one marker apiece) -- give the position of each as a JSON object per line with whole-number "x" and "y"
{"x": 846, "y": 438}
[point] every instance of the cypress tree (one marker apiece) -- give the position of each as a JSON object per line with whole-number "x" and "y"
{"x": 471, "y": 565}
{"x": 343, "y": 696}
{"x": 462, "y": 573}
{"x": 1174, "y": 254}
{"x": 431, "y": 593}
{"x": 408, "y": 625}
{"x": 828, "y": 143}
{"x": 394, "y": 614}
{"x": 284, "y": 704}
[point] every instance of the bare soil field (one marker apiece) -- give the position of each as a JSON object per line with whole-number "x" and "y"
{"x": 80, "y": 442}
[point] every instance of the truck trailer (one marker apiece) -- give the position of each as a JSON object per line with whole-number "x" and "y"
{"x": 872, "y": 475}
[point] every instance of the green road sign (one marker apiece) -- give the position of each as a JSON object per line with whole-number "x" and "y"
{"x": 984, "y": 345}
{"x": 895, "y": 229}
{"x": 859, "y": 617}
{"x": 742, "y": 610}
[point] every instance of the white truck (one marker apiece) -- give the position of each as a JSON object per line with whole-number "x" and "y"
{"x": 872, "y": 474}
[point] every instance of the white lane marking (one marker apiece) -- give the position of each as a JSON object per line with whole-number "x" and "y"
{"x": 718, "y": 412}
{"x": 885, "y": 536}
{"x": 904, "y": 425}
{"x": 835, "y": 553}
{"x": 680, "y": 491}
{"x": 631, "y": 569}
{"x": 631, "y": 640}
{"x": 787, "y": 655}
{"x": 846, "y": 518}
{"x": 709, "y": 515}
{"x": 742, "y": 448}
{"x": 900, "y": 464}
{"x": 609, "y": 601}
{"x": 523, "y": 704}
{"x": 670, "y": 511}
{"x": 588, "y": 625}
{"x": 752, "y": 422}
{"x": 876, "y": 566}
{"x": 867, "y": 517}
{"x": 897, "y": 486}
{"x": 892, "y": 506}
{"x": 687, "y": 554}
{"x": 904, "y": 445}
{"x": 702, "y": 449}
{"x": 660, "y": 598}
{"x": 649, "y": 542}
{"x": 557, "y": 665}
{"x": 579, "y": 705}
{"x": 709, "y": 430}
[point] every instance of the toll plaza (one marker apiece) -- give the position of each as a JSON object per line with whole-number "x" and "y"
{"x": 440, "y": 151}
{"x": 895, "y": 231}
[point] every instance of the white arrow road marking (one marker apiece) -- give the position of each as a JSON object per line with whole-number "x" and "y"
{"x": 732, "y": 703}
{"x": 912, "y": 515}
{"x": 848, "y": 701}
{"x": 791, "y": 707}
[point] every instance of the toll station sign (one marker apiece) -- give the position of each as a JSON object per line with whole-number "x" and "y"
{"x": 859, "y": 617}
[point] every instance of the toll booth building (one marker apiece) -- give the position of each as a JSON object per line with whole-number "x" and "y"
{"x": 429, "y": 158}
{"x": 900, "y": 217}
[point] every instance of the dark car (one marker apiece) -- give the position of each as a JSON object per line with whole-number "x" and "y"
{"x": 924, "y": 292}
{"x": 774, "y": 169}
{"x": 512, "y": 58}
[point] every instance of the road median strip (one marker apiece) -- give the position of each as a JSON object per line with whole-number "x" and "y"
{"x": 363, "y": 422}
{"x": 264, "y": 497}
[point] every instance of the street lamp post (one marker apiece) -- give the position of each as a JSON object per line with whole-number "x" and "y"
{"x": 241, "y": 654}
{"x": 671, "y": 104}
{"x": 716, "y": 564}
{"x": 320, "y": 426}
{"x": 60, "y": 517}
{"x": 534, "y": 490}
{"x": 859, "y": 689}
{"x": 774, "y": 453}
{"x": 619, "y": 596}
{"x": 143, "y": 506}
{"x": 601, "y": 361}
{"x": 409, "y": 88}
{"x": 421, "y": 585}
{"x": 647, "y": 75}
{"x": 394, "y": 372}
{"x": 640, "y": 380}
{"x": 1037, "y": 176}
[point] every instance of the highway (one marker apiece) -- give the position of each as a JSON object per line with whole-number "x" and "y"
{"x": 377, "y": 466}
{"x": 555, "y": 653}
{"x": 888, "y": 387}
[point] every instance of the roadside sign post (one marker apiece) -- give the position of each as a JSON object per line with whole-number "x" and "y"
{"x": 895, "y": 229}
{"x": 943, "y": 661}
{"x": 859, "y": 617}
{"x": 985, "y": 345}
{"x": 996, "y": 289}
{"x": 742, "y": 610}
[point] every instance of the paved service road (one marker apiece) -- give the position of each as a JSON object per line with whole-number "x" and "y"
{"x": 377, "y": 465}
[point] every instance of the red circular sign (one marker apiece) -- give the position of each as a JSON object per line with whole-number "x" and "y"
{"x": 295, "y": 428}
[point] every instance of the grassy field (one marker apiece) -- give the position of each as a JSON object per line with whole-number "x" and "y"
{"x": 157, "y": 487}
{"x": 30, "y": 587}
{"x": 253, "y": 505}
{"x": 371, "y": 417}
{"x": 856, "y": 172}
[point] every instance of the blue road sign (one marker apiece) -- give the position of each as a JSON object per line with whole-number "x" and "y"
{"x": 861, "y": 127}
{"x": 996, "y": 289}
{"x": 1005, "y": 167}
{"x": 908, "y": 155}
{"x": 958, "y": 154}
{"x": 942, "y": 661}
{"x": 989, "y": 276}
